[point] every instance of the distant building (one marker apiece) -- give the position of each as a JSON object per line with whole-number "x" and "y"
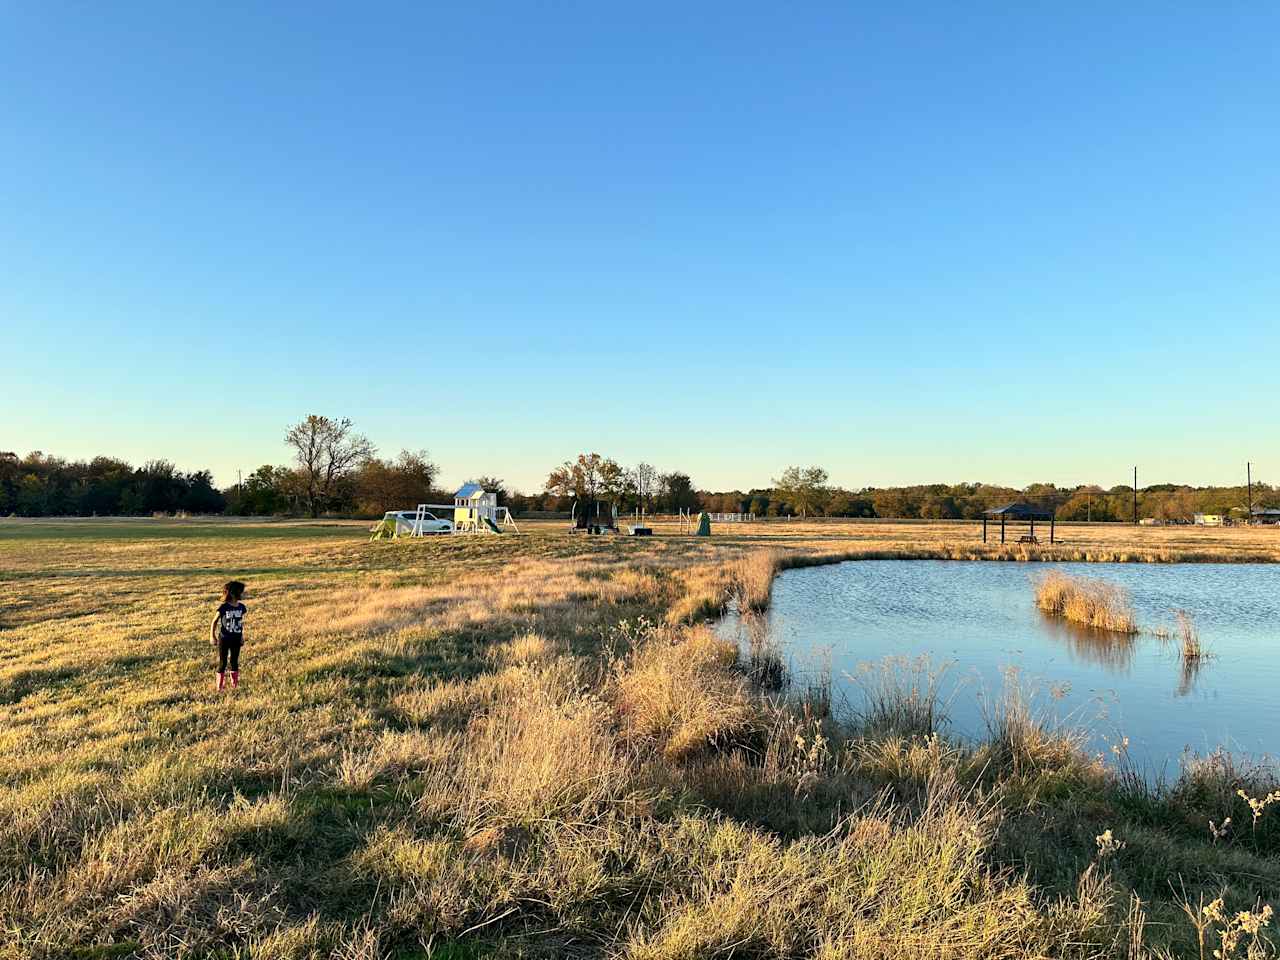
{"x": 1265, "y": 515}
{"x": 1209, "y": 520}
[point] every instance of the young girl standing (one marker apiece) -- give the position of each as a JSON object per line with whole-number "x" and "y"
{"x": 227, "y": 632}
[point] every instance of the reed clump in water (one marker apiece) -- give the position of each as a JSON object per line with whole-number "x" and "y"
{"x": 1193, "y": 650}
{"x": 1093, "y": 603}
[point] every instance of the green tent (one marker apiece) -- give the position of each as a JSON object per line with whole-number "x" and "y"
{"x": 704, "y": 525}
{"x": 384, "y": 530}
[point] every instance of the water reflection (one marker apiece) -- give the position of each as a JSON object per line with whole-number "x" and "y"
{"x": 1116, "y": 652}
{"x": 1190, "y": 672}
{"x": 1112, "y": 651}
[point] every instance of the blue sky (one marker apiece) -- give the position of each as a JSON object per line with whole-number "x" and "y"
{"x": 910, "y": 242}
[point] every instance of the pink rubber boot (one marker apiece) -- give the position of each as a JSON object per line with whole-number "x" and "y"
{"x": 222, "y": 681}
{"x": 235, "y": 679}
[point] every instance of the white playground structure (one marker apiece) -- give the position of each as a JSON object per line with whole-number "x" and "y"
{"x": 475, "y": 510}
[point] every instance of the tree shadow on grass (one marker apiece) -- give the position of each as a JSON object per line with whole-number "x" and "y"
{"x": 23, "y": 683}
{"x": 154, "y": 572}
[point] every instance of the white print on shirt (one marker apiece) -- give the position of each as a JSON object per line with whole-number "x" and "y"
{"x": 231, "y": 621}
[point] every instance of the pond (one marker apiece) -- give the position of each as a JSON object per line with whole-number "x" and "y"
{"x": 980, "y": 619}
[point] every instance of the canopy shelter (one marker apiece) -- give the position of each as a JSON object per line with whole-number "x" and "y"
{"x": 1265, "y": 515}
{"x": 1020, "y": 512}
{"x": 595, "y": 516}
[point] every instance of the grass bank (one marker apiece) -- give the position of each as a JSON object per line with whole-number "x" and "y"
{"x": 502, "y": 746}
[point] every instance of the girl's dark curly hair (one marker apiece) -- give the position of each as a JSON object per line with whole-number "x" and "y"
{"x": 232, "y": 591}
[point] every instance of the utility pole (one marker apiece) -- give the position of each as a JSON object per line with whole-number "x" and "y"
{"x": 1248, "y": 473}
{"x": 1135, "y": 495}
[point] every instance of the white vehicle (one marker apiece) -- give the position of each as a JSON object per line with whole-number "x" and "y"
{"x": 407, "y": 523}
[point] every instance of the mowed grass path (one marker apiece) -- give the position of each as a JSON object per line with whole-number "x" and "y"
{"x": 513, "y": 745}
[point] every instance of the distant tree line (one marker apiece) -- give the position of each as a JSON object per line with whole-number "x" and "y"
{"x": 593, "y": 477}
{"x": 337, "y": 472}
{"x": 804, "y": 492}
{"x": 794, "y": 494}
{"x": 39, "y": 485}
{"x": 369, "y": 489}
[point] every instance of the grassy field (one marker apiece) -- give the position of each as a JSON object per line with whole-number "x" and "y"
{"x": 529, "y": 746}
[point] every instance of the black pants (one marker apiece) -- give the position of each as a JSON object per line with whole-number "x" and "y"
{"x": 228, "y": 649}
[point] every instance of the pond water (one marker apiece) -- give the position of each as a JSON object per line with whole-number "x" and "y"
{"x": 980, "y": 619}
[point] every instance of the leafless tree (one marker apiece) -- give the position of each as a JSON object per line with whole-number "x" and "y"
{"x": 643, "y": 478}
{"x": 327, "y": 452}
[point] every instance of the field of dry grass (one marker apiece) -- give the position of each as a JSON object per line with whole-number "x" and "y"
{"x": 529, "y": 746}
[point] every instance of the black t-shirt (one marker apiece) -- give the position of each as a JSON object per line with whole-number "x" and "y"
{"x": 231, "y": 622}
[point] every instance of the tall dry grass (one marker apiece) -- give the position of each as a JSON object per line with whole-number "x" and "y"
{"x": 1092, "y": 603}
{"x": 709, "y": 589}
{"x": 1023, "y": 743}
{"x": 885, "y": 883}
{"x": 452, "y": 747}
{"x": 754, "y": 576}
{"x": 685, "y": 698}
{"x": 1190, "y": 645}
{"x": 902, "y": 696}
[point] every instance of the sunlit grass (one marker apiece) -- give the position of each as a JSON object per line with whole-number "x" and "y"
{"x": 529, "y": 746}
{"x": 901, "y": 696}
{"x": 1086, "y": 601}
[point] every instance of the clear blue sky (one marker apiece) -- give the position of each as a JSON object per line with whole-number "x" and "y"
{"x": 1012, "y": 242}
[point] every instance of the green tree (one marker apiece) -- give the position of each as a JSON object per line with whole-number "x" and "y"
{"x": 587, "y": 478}
{"x": 841, "y": 503}
{"x": 1087, "y": 503}
{"x": 613, "y": 481}
{"x": 262, "y": 493}
{"x": 10, "y": 470}
{"x": 32, "y": 498}
{"x": 676, "y": 492}
{"x": 939, "y": 507}
{"x": 200, "y": 495}
{"x": 802, "y": 487}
